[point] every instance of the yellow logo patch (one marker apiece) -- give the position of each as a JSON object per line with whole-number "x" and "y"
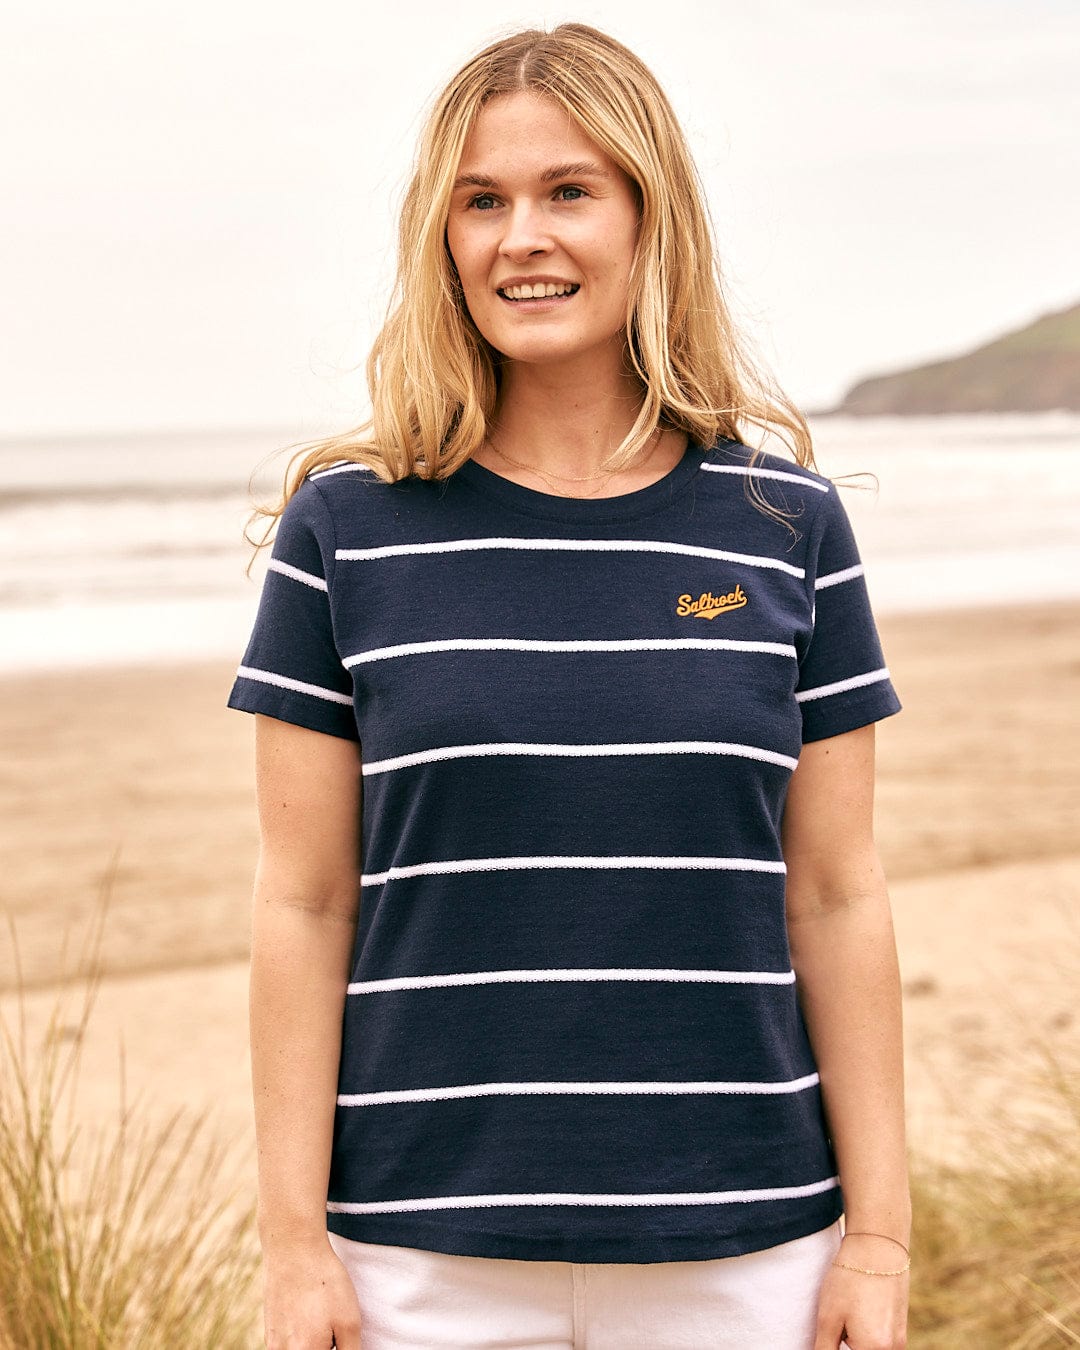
{"x": 708, "y": 606}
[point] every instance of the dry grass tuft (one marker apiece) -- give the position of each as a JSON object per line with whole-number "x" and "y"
{"x": 124, "y": 1238}
{"x": 997, "y": 1245}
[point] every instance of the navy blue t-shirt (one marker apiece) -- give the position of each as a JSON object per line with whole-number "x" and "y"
{"x": 572, "y": 1031}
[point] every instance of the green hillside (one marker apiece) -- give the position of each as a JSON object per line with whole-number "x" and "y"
{"x": 1035, "y": 369}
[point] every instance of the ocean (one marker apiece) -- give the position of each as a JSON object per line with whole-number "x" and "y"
{"x": 129, "y": 549}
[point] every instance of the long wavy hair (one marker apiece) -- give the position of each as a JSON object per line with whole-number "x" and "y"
{"x": 434, "y": 380}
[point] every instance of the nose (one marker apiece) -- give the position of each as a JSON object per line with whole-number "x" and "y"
{"x": 525, "y": 233}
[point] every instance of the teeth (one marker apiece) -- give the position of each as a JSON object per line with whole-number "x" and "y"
{"x": 540, "y": 290}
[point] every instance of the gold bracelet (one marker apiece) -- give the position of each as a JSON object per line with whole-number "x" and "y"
{"x": 862, "y": 1270}
{"x": 886, "y": 1237}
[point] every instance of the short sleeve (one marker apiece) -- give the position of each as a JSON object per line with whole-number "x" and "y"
{"x": 291, "y": 668}
{"x": 844, "y": 682}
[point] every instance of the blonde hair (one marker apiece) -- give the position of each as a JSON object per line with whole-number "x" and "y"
{"x": 432, "y": 377}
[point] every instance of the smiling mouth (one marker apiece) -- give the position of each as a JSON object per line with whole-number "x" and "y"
{"x": 541, "y": 291}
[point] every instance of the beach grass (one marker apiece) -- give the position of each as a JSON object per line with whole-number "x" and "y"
{"x": 124, "y": 1237}
{"x": 996, "y": 1246}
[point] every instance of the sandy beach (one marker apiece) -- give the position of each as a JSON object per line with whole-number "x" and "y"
{"x": 138, "y": 783}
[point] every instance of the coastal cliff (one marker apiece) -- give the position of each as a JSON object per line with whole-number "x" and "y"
{"x": 1034, "y": 369}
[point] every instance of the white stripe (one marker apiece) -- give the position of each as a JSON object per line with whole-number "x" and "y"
{"x": 841, "y": 686}
{"x": 573, "y": 751}
{"x": 287, "y": 569}
{"x": 632, "y": 1089}
{"x": 562, "y": 545}
{"x": 556, "y": 1198}
{"x": 767, "y": 473}
{"x": 566, "y": 860}
{"x": 546, "y": 976}
{"x": 346, "y": 466}
{"x": 284, "y": 682}
{"x": 835, "y": 578}
{"x": 541, "y": 645}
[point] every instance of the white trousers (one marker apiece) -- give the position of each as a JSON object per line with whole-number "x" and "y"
{"x": 412, "y": 1299}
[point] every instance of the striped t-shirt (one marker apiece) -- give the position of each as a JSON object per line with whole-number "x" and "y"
{"x": 572, "y": 1030}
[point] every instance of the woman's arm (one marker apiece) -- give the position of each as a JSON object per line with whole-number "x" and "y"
{"x": 844, "y": 955}
{"x": 307, "y": 892}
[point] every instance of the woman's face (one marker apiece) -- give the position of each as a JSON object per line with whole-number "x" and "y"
{"x": 537, "y": 204}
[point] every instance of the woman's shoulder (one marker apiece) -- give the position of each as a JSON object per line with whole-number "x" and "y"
{"x": 361, "y": 509}
{"x": 776, "y": 502}
{"x": 341, "y": 474}
{"x": 737, "y": 459}
{"x": 346, "y": 485}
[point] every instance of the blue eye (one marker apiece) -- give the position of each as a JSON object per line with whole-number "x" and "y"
{"x": 479, "y": 201}
{"x": 569, "y": 188}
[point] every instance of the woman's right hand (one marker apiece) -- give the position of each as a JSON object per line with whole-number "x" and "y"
{"x": 309, "y": 1301}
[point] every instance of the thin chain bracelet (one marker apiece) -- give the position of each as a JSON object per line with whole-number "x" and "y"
{"x": 862, "y": 1270}
{"x": 884, "y": 1236}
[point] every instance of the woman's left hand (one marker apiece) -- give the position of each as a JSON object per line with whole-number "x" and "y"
{"x": 859, "y": 1311}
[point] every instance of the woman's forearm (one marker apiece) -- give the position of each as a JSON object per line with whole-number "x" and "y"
{"x": 299, "y": 972}
{"x": 844, "y": 956}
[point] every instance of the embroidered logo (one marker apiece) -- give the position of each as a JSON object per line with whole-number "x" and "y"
{"x": 708, "y": 606}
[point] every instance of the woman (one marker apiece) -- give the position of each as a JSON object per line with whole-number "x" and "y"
{"x": 574, "y": 999}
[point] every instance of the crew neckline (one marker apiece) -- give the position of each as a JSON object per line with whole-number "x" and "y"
{"x": 549, "y": 506}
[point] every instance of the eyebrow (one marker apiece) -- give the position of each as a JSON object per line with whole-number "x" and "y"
{"x": 584, "y": 168}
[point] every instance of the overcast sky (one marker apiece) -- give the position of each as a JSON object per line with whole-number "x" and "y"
{"x": 198, "y": 199}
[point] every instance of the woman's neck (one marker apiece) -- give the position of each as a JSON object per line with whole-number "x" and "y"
{"x": 564, "y": 425}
